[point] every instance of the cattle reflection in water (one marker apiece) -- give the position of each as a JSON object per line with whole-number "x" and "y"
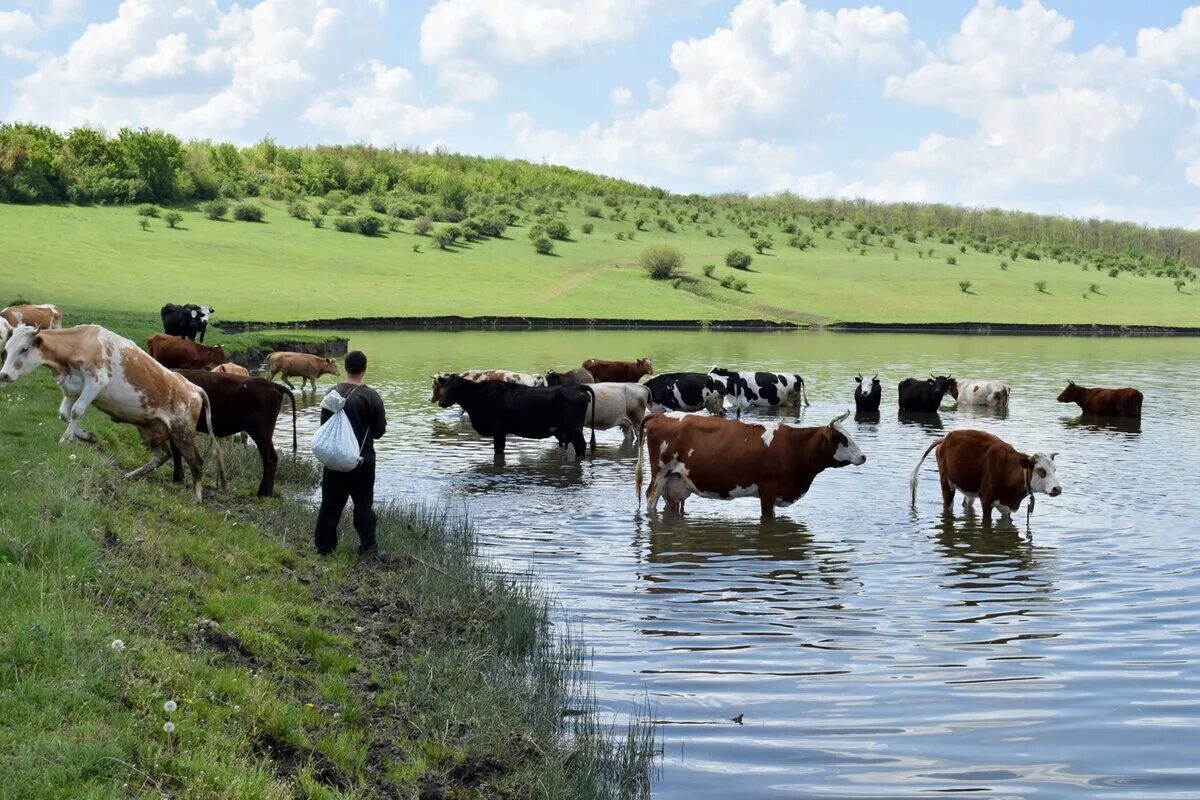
{"x": 929, "y": 420}
{"x": 995, "y": 559}
{"x": 1092, "y": 422}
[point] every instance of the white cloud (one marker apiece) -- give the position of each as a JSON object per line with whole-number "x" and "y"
{"x": 1173, "y": 51}
{"x": 380, "y": 109}
{"x": 16, "y": 29}
{"x": 621, "y": 96}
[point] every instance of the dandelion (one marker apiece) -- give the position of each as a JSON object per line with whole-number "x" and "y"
{"x": 169, "y": 726}
{"x": 170, "y": 706}
{"x": 73, "y": 456}
{"x": 117, "y": 646}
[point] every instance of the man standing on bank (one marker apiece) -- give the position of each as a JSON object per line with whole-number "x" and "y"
{"x": 364, "y": 409}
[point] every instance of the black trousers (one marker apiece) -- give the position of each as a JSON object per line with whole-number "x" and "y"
{"x": 336, "y": 488}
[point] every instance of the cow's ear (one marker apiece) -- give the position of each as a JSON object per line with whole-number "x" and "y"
{"x": 1052, "y": 455}
{"x": 1026, "y": 462}
{"x": 37, "y": 341}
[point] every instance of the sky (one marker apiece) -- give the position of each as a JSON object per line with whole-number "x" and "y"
{"x": 1078, "y": 107}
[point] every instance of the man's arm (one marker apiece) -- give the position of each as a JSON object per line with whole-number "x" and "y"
{"x": 378, "y": 417}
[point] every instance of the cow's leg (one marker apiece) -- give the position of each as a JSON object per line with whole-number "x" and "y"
{"x": 987, "y": 503}
{"x": 183, "y": 436}
{"x": 91, "y": 388}
{"x": 176, "y": 464}
{"x": 498, "y": 443}
{"x": 285, "y": 380}
{"x": 628, "y": 434}
{"x": 270, "y": 463}
{"x": 156, "y": 437}
{"x": 654, "y": 491}
{"x": 947, "y": 495}
{"x": 767, "y": 504}
{"x": 64, "y": 408}
{"x": 968, "y": 503}
{"x": 579, "y": 443}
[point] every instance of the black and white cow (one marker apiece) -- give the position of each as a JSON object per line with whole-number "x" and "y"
{"x": 768, "y": 389}
{"x": 685, "y": 391}
{"x": 925, "y": 396}
{"x": 867, "y": 394}
{"x": 186, "y": 321}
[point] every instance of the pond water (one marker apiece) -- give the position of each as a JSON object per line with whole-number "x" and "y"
{"x": 870, "y": 649}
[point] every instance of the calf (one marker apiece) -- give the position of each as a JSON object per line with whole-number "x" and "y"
{"x": 984, "y": 466}
{"x": 1104, "y": 402}
{"x": 726, "y": 459}
{"x": 866, "y": 400}
{"x": 187, "y": 321}
{"x": 925, "y": 396}
{"x": 617, "y": 405}
{"x": 982, "y": 394}
{"x": 480, "y": 375}
{"x": 577, "y": 375}
{"x": 175, "y": 353}
{"x": 96, "y": 366}
{"x": 243, "y": 405}
{"x": 768, "y": 389}
{"x": 299, "y": 365}
{"x": 45, "y": 316}
{"x": 618, "y": 371}
{"x": 498, "y": 409}
{"x": 685, "y": 391}
{"x": 229, "y": 368}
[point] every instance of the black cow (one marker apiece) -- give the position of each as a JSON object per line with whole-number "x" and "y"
{"x": 926, "y": 395}
{"x": 867, "y": 401}
{"x": 186, "y": 321}
{"x": 685, "y": 391}
{"x": 243, "y": 405}
{"x": 769, "y": 389}
{"x": 498, "y": 409}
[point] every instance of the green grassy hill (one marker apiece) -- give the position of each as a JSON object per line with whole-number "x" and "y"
{"x": 286, "y": 269}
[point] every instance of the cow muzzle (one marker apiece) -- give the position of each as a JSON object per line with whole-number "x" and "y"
{"x": 1056, "y": 491}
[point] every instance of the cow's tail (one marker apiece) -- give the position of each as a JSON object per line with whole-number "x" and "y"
{"x": 912, "y": 482}
{"x": 213, "y": 447}
{"x": 592, "y": 392}
{"x": 283, "y": 390}
{"x": 638, "y": 472}
{"x": 803, "y": 391}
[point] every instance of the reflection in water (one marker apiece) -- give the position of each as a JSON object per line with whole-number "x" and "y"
{"x": 872, "y": 649}
{"x": 866, "y": 417}
{"x": 929, "y": 420}
{"x": 1093, "y": 422}
{"x": 981, "y": 412}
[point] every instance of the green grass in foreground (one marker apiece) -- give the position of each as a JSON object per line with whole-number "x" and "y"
{"x": 285, "y": 269}
{"x": 295, "y": 676}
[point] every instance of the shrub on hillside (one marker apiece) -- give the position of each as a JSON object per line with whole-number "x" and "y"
{"x": 762, "y": 245}
{"x": 728, "y": 282}
{"x": 422, "y": 226}
{"x": 587, "y": 227}
{"x": 1094, "y": 288}
{"x": 147, "y": 210}
{"x": 443, "y": 238}
{"x": 215, "y": 209}
{"x": 248, "y": 212}
{"x": 144, "y": 222}
{"x": 964, "y": 287}
{"x": 347, "y": 209}
{"x": 708, "y": 270}
{"x": 172, "y": 218}
{"x": 318, "y": 221}
{"x": 1114, "y": 272}
{"x": 557, "y": 229}
{"x": 738, "y": 259}
{"x": 739, "y": 285}
{"x": 1004, "y": 265}
{"x": 951, "y": 260}
{"x": 591, "y": 211}
{"x": 394, "y": 224}
{"x": 402, "y": 211}
{"x": 1040, "y": 286}
{"x": 472, "y": 229}
{"x": 368, "y": 224}
{"x": 378, "y": 203}
{"x": 492, "y": 224}
{"x": 1033, "y": 255}
{"x": 345, "y": 224}
{"x": 325, "y": 205}
{"x": 661, "y": 261}
{"x": 297, "y": 209}
{"x": 543, "y": 246}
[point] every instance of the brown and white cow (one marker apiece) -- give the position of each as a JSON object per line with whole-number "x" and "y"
{"x": 230, "y": 368}
{"x": 984, "y": 466}
{"x": 94, "y": 366}
{"x": 44, "y": 316}
{"x": 1104, "y": 402}
{"x": 299, "y": 365}
{"x": 618, "y": 371}
{"x": 481, "y": 375}
{"x": 725, "y": 459}
{"x": 176, "y": 353}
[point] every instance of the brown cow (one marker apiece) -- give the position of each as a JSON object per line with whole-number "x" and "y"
{"x": 984, "y": 466}
{"x": 299, "y": 365}
{"x": 249, "y": 406}
{"x": 230, "y": 368}
{"x": 44, "y": 316}
{"x": 1104, "y": 402}
{"x": 618, "y": 371}
{"x": 725, "y": 459}
{"x": 176, "y": 353}
{"x": 94, "y": 366}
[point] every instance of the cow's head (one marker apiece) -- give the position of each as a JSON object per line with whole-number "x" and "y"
{"x": 22, "y": 354}
{"x": 644, "y": 366}
{"x": 845, "y": 452}
{"x": 552, "y": 379}
{"x": 328, "y": 367}
{"x": 205, "y": 313}
{"x": 216, "y": 354}
{"x": 943, "y": 384}
{"x": 1042, "y": 476}
{"x": 1072, "y": 394}
{"x": 867, "y": 388}
{"x": 714, "y": 403}
{"x": 439, "y": 383}
{"x": 452, "y": 390}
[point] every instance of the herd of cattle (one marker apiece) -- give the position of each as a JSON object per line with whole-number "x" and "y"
{"x": 179, "y": 386}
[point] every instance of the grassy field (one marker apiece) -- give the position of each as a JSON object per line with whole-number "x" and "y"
{"x": 286, "y": 269}
{"x": 293, "y": 676}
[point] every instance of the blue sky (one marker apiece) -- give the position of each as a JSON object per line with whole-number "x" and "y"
{"x": 1071, "y": 107}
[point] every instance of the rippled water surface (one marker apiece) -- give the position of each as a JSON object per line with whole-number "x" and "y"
{"x": 871, "y": 649}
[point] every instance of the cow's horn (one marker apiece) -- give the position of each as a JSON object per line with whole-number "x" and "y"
{"x": 836, "y": 420}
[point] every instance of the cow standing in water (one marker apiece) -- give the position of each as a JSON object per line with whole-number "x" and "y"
{"x": 94, "y": 366}
{"x": 867, "y": 395}
{"x": 726, "y": 459}
{"x": 764, "y": 389}
{"x": 686, "y": 391}
{"x": 925, "y": 396}
{"x": 618, "y": 371}
{"x": 986, "y": 467}
{"x": 299, "y": 365}
{"x": 1104, "y": 402}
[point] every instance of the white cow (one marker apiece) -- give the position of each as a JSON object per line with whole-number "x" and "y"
{"x": 983, "y": 394}
{"x": 96, "y": 366}
{"x": 618, "y": 405}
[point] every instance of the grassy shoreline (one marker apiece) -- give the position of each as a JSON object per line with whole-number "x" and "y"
{"x": 430, "y": 675}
